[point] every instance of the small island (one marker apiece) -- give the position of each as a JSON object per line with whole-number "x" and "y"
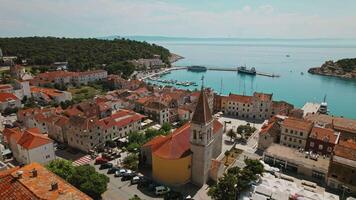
{"x": 344, "y": 68}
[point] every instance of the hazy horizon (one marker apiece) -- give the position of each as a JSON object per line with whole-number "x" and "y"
{"x": 273, "y": 19}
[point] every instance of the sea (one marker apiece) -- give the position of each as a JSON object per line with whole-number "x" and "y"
{"x": 295, "y": 85}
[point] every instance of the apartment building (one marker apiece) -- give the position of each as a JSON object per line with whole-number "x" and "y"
{"x": 342, "y": 169}
{"x": 295, "y": 132}
{"x": 157, "y": 111}
{"x": 49, "y": 95}
{"x": 29, "y": 145}
{"x": 322, "y": 140}
{"x": 9, "y": 100}
{"x": 86, "y": 133}
{"x": 67, "y": 78}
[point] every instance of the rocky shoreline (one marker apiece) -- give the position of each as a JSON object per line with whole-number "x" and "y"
{"x": 344, "y": 68}
{"x": 175, "y": 57}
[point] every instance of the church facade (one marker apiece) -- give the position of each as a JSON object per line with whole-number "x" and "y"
{"x": 186, "y": 155}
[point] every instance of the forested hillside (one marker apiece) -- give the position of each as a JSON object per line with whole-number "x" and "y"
{"x": 81, "y": 54}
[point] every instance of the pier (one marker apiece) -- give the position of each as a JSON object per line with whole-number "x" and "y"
{"x": 231, "y": 69}
{"x": 235, "y": 70}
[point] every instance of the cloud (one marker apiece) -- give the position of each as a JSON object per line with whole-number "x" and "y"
{"x": 91, "y": 18}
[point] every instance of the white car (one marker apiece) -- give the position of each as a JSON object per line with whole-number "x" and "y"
{"x": 120, "y": 172}
{"x": 135, "y": 180}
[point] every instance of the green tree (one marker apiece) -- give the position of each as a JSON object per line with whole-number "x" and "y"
{"x": 61, "y": 167}
{"x": 224, "y": 188}
{"x": 136, "y": 137}
{"x": 166, "y": 127}
{"x": 87, "y": 180}
{"x": 131, "y": 162}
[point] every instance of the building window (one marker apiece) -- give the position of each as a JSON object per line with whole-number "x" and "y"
{"x": 300, "y": 141}
{"x": 194, "y": 134}
{"x": 311, "y": 144}
{"x": 301, "y": 133}
{"x": 320, "y": 146}
{"x": 329, "y": 149}
{"x": 48, "y": 156}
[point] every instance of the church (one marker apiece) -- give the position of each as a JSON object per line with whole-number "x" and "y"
{"x": 188, "y": 153}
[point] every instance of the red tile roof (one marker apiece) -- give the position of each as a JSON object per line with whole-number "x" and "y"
{"x": 325, "y": 134}
{"x": 240, "y": 98}
{"x": 4, "y": 97}
{"x": 346, "y": 149}
{"x": 298, "y": 124}
{"x": 176, "y": 144}
{"x": 32, "y": 138}
{"x": 120, "y": 119}
{"x": 202, "y": 114}
{"x": 32, "y": 188}
{"x": 5, "y": 86}
{"x": 263, "y": 96}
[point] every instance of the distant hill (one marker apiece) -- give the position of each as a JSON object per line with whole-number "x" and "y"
{"x": 81, "y": 54}
{"x": 344, "y": 68}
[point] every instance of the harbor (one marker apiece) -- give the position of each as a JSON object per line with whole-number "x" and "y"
{"x": 157, "y": 75}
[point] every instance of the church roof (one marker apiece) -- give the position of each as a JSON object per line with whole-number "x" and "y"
{"x": 202, "y": 113}
{"x": 176, "y": 145}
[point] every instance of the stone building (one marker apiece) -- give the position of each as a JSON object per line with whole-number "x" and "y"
{"x": 295, "y": 132}
{"x": 259, "y": 106}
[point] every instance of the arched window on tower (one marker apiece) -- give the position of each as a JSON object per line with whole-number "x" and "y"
{"x": 194, "y": 134}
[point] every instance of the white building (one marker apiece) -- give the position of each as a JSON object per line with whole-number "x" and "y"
{"x": 29, "y": 145}
{"x": 8, "y": 100}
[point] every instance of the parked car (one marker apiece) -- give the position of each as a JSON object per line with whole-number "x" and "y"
{"x": 100, "y": 160}
{"x": 135, "y": 180}
{"x": 144, "y": 182}
{"x": 160, "y": 190}
{"x": 120, "y": 172}
{"x": 106, "y": 166}
{"x": 128, "y": 175}
{"x": 113, "y": 170}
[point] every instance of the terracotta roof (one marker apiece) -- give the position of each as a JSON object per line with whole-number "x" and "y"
{"x": 346, "y": 149}
{"x": 14, "y": 133}
{"x": 4, "y": 97}
{"x": 32, "y": 138}
{"x": 263, "y": 96}
{"x": 240, "y": 98}
{"x": 325, "y": 134}
{"x": 202, "y": 113}
{"x": 10, "y": 189}
{"x": 344, "y": 124}
{"x": 47, "y": 91}
{"x": 177, "y": 144}
{"x": 298, "y": 124}
{"x": 120, "y": 119}
{"x": 39, "y": 187}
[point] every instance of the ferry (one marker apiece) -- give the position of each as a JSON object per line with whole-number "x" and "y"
{"x": 244, "y": 70}
{"x": 197, "y": 68}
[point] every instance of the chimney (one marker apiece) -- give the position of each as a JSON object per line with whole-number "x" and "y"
{"x": 19, "y": 174}
{"x": 34, "y": 172}
{"x": 54, "y": 186}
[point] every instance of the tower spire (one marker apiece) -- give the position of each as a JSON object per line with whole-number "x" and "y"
{"x": 202, "y": 114}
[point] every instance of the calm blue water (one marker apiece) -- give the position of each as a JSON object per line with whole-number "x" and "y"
{"x": 270, "y": 56}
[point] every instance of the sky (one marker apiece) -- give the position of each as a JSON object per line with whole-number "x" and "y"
{"x": 179, "y": 18}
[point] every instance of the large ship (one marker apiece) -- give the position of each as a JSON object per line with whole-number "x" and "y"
{"x": 244, "y": 70}
{"x": 197, "y": 68}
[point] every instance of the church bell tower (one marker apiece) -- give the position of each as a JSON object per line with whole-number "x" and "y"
{"x": 201, "y": 140}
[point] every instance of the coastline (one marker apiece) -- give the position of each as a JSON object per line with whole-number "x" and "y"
{"x": 320, "y": 72}
{"x": 175, "y": 57}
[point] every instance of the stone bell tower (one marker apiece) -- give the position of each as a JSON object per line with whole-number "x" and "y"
{"x": 201, "y": 141}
